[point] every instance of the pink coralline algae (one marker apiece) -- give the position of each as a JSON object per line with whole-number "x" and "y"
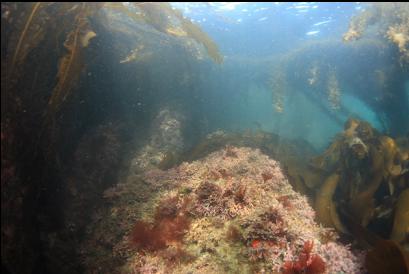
{"x": 234, "y": 203}
{"x": 306, "y": 262}
{"x": 340, "y": 259}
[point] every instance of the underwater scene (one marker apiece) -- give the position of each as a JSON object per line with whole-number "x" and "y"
{"x": 225, "y": 137}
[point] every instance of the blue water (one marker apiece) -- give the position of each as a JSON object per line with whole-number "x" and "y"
{"x": 259, "y": 29}
{"x": 255, "y": 38}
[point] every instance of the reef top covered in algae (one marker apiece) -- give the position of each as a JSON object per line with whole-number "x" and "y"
{"x": 233, "y": 211}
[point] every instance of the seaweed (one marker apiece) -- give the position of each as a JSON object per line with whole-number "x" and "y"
{"x": 27, "y": 33}
{"x": 175, "y": 256}
{"x": 265, "y": 234}
{"x": 72, "y": 63}
{"x": 225, "y": 174}
{"x": 169, "y": 226}
{"x": 200, "y": 36}
{"x": 269, "y": 226}
{"x": 267, "y": 176}
{"x": 207, "y": 190}
{"x": 279, "y": 86}
{"x": 364, "y": 165}
{"x": 306, "y": 263}
{"x": 285, "y": 201}
{"x": 401, "y": 221}
{"x": 170, "y": 160}
{"x": 230, "y": 152}
{"x": 233, "y": 234}
{"x": 324, "y": 202}
{"x": 32, "y": 25}
{"x": 387, "y": 257}
{"x": 168, "y": 208}
{"x": 240, "y": 194}
{"x": 159, "y": 16}
{"x": 391, "y": 20}
{"x": 120, "y": 7}
{"x": 333, "y": 91}
{"x": 163, "y": 18}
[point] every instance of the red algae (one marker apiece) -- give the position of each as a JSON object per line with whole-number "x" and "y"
{"x": 220, "y": 220}
{"x": 170, "y": 226}
{"x": 285, "y": 201}
{"x": 267, "y": 176}
{"x": 233, "y": 234}
{"x": 224, "y": 173}
{"x": 168, "y": 208}
{"x": 255, "y": 243}
{"x": 230, "y": 152}
{"x": 175, "y": 256}
{"x": 149, "y": 237}
{"x": 207, "y": 190}
{"x": 240, "y": 194}
{"x": 145, "y": 237}
{"x": 214, "y": 175}
{"x": 306, "y": 263}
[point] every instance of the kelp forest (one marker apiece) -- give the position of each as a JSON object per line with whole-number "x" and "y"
{"x": 136, "y": 138}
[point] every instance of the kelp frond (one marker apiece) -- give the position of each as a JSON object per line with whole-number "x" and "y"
{"x": 391, "y": 20}
{"x": 32, "y": 22}
{"x": 28, "y": 30}
{"x": 120, "y": 7}
{"x": 200, "y": 36}
{"x": 165, "y": 19}
{"x": 24, "y": 32}
{"x": 71, "y": 64}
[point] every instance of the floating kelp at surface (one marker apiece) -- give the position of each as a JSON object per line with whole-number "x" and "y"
{"x": 160, "y": 15}
{"x": 333, "y": 91}
{"x": 303, "y": 70}
{"x": 165, "y": 19}
{"x": 278, "y": 85}
{"x": 391, "y": 21}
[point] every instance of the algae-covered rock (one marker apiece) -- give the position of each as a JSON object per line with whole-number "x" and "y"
{"x": 233, "y": 211}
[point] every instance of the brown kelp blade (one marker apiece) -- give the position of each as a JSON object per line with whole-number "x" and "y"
{"x": 71, "y": 63}
{"x": 27, "y": 32}
{"x": 24, "y": 32}
{"x": 385, "y": 257}
{"x": 158, "y": 14}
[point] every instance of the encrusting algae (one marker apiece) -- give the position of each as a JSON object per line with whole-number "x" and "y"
{"x": 232, "y": 211}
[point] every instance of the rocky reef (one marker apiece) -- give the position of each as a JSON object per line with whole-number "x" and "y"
{"x": 232, "y": 211}
{"x": 165, "y": 141}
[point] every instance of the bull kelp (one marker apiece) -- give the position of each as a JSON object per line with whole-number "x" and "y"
{"x": 144, "y": 137}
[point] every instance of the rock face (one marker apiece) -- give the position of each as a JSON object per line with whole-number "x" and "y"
{"x": 165, "y": 139}
{"x": 231, "y": 212}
